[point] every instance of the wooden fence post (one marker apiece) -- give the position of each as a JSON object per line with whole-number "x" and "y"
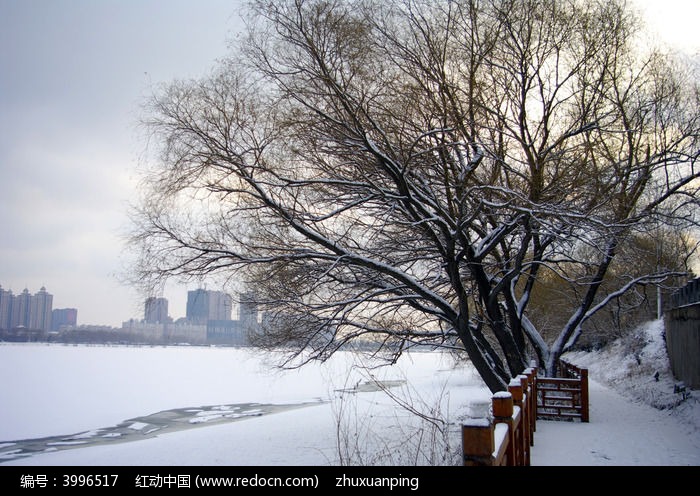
{"x": 533, "y": 386}
{"x": 527, "y": 442}
{"x": 478, "y": 443}
{"x": 516, "y": 390}
{"x": 526, "y": 412}
{"x": 584, "y": 395}
{"x": 503, "y": 413}
{"x": 532, "y": 403}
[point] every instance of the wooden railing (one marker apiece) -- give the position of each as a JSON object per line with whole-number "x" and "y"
{"x": 507, "y": 435}
{"x": 564, "y": 398}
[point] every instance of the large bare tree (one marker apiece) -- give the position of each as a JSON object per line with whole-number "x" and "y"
{"x": 407, "y": 171}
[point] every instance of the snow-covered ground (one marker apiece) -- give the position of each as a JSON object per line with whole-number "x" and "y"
{"x": 638, "y": 415}
{"x": 95, "y": 405}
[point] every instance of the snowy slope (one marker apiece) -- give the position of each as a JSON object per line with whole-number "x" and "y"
{"x": 637, "y": 367}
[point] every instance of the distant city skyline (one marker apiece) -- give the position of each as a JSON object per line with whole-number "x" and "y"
{"x": 28, "y": 317}
{"x": 22, "y": 308}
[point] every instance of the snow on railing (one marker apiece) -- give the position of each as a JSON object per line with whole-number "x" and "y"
{"x": 564, "y": 398}
{"x": 505, "y": 436}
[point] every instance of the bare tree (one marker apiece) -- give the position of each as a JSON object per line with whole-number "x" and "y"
{"x": 407, "y": 171}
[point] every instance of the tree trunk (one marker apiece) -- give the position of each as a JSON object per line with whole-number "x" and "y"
{"x": 496, "y": 380}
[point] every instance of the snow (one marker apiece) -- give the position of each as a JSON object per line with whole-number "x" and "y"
{"x": 499, "y": 436}
{"x": 202, "y": 406}
{"x": 504, "y": 394}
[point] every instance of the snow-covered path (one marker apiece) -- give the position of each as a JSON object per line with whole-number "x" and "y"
{"x": 620, "y": 432}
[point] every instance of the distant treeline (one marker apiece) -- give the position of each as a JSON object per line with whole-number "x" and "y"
{"x": 77, "y": 336}
{"x": 118, "y": 336}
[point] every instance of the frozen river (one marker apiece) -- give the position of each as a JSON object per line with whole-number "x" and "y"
{"x": 58, "y": 397}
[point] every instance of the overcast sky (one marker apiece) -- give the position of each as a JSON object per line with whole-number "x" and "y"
{"x": 72, "y": 76}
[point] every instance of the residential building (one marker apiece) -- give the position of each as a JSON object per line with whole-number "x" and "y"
{"x": 64, "y": 318}
{"x": 204, "y": 305}
{"x": 248, "y": 312}
{"x": 26, "y": 310}
{"x": 6, "y": 298}
{"x": 40, "y": 308}
{"x": 156, "y": 310}
{"x": 21, "y": 309}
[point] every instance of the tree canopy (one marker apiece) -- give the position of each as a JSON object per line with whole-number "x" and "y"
{"x": 408, "y": 171}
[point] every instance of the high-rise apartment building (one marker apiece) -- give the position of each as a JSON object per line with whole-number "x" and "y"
{"x": 26, "y": 310}
{"x": 220, "y": 306}
{"x": 156, "y": 310}
{"x": 248, "y": 311}
{"x": 204, "y": 305}
{"x": 64, "y": 317}
{"x": 40, "y": 310}
{"x": 197, "y": 306}
{"x": 21, "y": 309}
{"x": 6, "y": 298}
